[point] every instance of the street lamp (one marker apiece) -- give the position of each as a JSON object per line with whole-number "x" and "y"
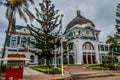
{"x": 61, "y": 45}
{"x": 62, "y": 54}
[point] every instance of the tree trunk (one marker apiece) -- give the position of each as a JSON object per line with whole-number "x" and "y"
{"x": 10, "y": 21}
{"x": 48, "y": 66}
{"x": 4, "y": 48}
{"x": 112, "y": 57}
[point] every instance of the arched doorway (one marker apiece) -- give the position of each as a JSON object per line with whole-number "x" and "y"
{"x": 32, "y": 58}
{"x": 71, "y": 59}
{"x": 89, "y": 56}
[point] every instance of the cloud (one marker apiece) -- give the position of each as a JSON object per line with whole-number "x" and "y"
{"x": 101, "y": 13}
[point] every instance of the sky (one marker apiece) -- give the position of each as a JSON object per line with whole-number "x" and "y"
{"x": 101, "y": 12}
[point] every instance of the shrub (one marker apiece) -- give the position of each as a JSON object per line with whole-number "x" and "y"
{"x": 44, "y": 69}
{"x": 4, "y": 68}
{"x": 74, "y": 64}
{"x": 3, "y": 74}
{"x": 98, "y": 67}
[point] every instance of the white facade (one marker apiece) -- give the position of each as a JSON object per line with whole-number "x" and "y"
{"x": 81, "y": 35}
{"x": 16, "y": 44}
{"x": 84, "y": 37}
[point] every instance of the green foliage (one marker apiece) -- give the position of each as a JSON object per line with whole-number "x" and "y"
{"x": 47, "y": 32}
{"x": 118, "y": 18}
{"x": 109, "y": 60}
{"x": 74, "y": 64}
{"x": 98, "y": 67}
{"x": 65, "y": 61}
{"x": 3, "y": 75}
{"x": 113, "y": 41}
{"x": 65, "y": 45}
{"x": 4, "y": 68}
{"x": 43, "y": 68}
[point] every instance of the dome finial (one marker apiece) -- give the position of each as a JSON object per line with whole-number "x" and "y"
{"x": 78, "y": 12}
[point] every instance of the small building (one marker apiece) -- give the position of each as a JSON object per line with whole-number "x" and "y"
{"x": 16, "y": 43}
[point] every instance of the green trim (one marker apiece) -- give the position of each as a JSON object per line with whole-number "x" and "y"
{"x": 83, "y": 37}
{"x": 22, "y": 50}
{"x": 8, "y": 41}
{"x": 18, "y": 40}
{"x": 12, "y": 50}
{"x": 70, "y": 34}
{"x": 28, "y": 41}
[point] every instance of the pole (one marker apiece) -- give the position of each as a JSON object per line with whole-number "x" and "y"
{"x": 62, "y": 55}
{"x": 55, "y": 66}
{"x": 61, "y": 47}
{"x": 112, "y": 58}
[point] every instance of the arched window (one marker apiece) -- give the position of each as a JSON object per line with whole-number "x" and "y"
{"x": 88, "y": 46}
{"x": 32, "y": 58}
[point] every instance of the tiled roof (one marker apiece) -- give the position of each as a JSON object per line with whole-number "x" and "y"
{"x": 20, "y": 27}
{"x": 78, "y": 20}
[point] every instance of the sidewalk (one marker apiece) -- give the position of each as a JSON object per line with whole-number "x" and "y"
{"x": 30, "y": 74}
{"x": 77, "y": 72}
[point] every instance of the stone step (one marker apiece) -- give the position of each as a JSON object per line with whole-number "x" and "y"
{"x": 85, "y": 76}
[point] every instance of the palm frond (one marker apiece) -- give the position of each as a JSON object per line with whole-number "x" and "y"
{"x": 21, "y": 14}
{"x": 30, "y": 15}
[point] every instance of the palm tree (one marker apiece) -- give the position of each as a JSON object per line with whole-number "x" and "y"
{"x": 14, "y": 6}
{"x": 113, "y": 41}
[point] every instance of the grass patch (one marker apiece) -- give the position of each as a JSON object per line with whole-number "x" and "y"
{"x": 74, "y": 64}
{"x": 97, "y": 67}
{"x": 44, "y": 69}
{"x": 3, "y": 74}
{"x": 4, "y": 68}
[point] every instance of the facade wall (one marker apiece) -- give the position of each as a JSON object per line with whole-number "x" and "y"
{"x": 81, "y": 34}
{"x": 16, "y": 44}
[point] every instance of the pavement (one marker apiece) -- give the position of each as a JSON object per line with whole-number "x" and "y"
{"x": 74, "y": 70}
{"x": 30, "y": 74}
{"x": 81, "y": 72}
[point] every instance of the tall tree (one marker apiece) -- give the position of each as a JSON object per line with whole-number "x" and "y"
{"x": 47, "y": 33}
{"x": 118, "y": 18}
{"x": 113, "y": 41}
{"x": 14, "y": 6}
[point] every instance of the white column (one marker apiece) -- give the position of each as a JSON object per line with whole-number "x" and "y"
{"x": 68, "y": 57}
{"x": 67, "y": 54}
{"x": 75, "y": 53}
{"x": 45, "y": 62}
{"x": 97, "y": 53}
{"x": 53, "y": 61}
